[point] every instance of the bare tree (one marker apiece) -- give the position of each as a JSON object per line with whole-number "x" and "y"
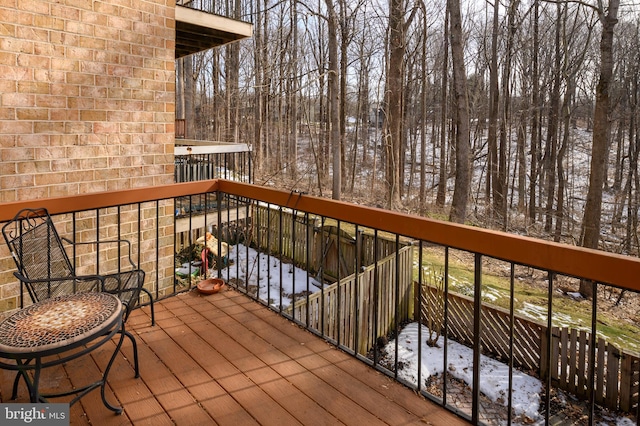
{"x": 442, "y": 176}
{"x": 334, "y": 99}
{"x": 500, "y": 186}
{"x": 551, "y": 146}
{"x": 493, "y": 180}
{"x": 535, "y": 116}
{"x": 463, "y": 147}
{"x": 293, "y": 107}
{"x": 189, "y": 96}
{"x": 590, "y": 233}
{"x": 573, "y": 39}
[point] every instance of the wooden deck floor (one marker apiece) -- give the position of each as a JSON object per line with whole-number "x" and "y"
{"x": 224, "y": 359}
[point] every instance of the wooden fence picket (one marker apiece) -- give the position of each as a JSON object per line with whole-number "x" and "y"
{"x": 393, "y": 305}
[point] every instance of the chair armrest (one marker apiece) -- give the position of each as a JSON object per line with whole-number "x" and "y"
{"x": 96, "y": 243}
{"x": 44, "y": 288}
{"x": 26, "y": 280}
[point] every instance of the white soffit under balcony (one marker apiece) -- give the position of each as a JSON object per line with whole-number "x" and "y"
{"x": 197, "y": 30}
{"x": 189, "y": 146}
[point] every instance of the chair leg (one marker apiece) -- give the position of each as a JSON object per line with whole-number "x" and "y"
{"x": 134, "y": 344}
{"x": 153, "y": 315}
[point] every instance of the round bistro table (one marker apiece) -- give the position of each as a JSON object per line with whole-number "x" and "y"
{"x": 50, "y": 332}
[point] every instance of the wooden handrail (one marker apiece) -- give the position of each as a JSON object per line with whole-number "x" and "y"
{"x": 97, "y": 200}
{"x": 618, "y": 270}
{"x": 610, "y": 268}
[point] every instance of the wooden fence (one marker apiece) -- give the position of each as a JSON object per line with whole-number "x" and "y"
{"x": 616, "y": 373}
{"x": 334, "y": 253}
{"x": 360, "y": 308}
{"x": 301, "y": 239}
{"x": 354, "y": 307}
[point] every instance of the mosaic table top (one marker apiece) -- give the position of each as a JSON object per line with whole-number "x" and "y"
{"x": 59, "y": 322}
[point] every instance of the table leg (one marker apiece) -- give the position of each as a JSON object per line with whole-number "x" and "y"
{"x": 117, "y": 410}
{"x": 33, "y": 389}
{"x": 80, "y": 392}
{"x": 32, "y": 385}
{"x": 16, "y": 381}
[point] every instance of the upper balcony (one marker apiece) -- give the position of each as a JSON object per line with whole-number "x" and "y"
{"x": 490, "y": 314}
{"x": 200, "y": 160}
{"x": 197, "y": 30}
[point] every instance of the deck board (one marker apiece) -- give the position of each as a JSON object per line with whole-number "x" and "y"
{"x": 225, "y": 359}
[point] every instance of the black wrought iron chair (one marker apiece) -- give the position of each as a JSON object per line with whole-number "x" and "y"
{"x": 45, "y": 269}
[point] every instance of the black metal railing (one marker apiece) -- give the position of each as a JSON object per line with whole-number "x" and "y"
{"x": 235, "y": 165}
{"x": 469, "y": 318}
{"x": 206, "y": 162}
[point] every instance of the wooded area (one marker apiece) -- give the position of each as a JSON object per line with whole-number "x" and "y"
{"x": 521, "y": 115}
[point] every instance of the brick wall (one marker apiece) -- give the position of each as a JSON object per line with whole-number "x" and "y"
{"x": 87, "y": 100}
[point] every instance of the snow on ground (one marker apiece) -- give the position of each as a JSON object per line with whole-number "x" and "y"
{"x": 539, "y": 313}
{"x": 618, "y": 421}
{"x": 494, "y": 375}
{"x": 272, "y": 277}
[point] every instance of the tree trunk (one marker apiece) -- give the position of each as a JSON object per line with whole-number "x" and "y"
{"x": 493, "y": 180}
{"x": 423, "y": 113}
{"x": 334, "y": 100}
{"x": 189, "y": 110}
{"x": 344, "y": 46}
{"x": 633, "y": 179}
{"x": 257, "y": 109}
{"x": 566, "y": 122}
{"x": 442, "y": 177}
{"x": 535, "y": 117}
{"x": 522, "y": 161}
{"x": 500, "y": 187}
{"x": 293, "y": 108}
{"x": 458, "y": 211}
{"x": 590, "y": 232}
{"x": 394, "y": 101}
{"x": 551, "y": 149}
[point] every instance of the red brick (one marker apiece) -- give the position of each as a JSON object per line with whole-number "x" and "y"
{"x": 48, "y": 127}
{"x": 33, "y": 87}
{"x": 33, "y": 6}
{"x": 16, "y": 127}
{"x": 32, "y": 114}
{"x": 18, "y": 99}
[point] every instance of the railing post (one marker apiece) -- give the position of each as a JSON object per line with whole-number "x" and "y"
{"x": 376, "y": 355}
{"x": 356, "y": 315}
{"x": 280, "y": 254}
{"x": 445, "y": 326}
{"x": 338, "y": 279}
{"x": 477, "y": 341}
{"x": 308, "y": 240}
{"x": 293, "y": 261}
{"x": 418, "y": 318}
{"x": 549, "y": 348}
{"x": 219, "y": 208}
{"x": 396, "y": 323}
{"x": 592, "y": 351}
{"x": 511, "y": 340}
